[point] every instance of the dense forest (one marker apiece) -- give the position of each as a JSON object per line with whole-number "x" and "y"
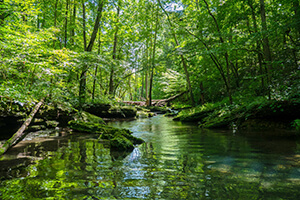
{"x": 84, "y": 84}
{"x": 91, "y": 51}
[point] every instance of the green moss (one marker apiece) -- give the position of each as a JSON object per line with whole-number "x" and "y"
{"x": 123, "y": 111}
{"x": 120, "y": 142}
{"x": 196, "y": 114}
{"x": 225, "y": 116}
{"x": 120, "y": 139}
{"x": 88, "y": 117}
{"x": 142, "y": 114}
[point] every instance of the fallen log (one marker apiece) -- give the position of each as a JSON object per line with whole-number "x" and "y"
{"x": 163, "y": 102}
{"x": 20, "y": 135}
{"x": 156, "y": 102}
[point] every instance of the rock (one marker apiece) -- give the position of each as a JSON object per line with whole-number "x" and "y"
{"x": 142, "y": 114}
{"x": 56, "y": 112}
{"x": 120, "y": 139}
{"x": 96, "y": 108}
{"x": 88, "y": 117}
{"x": 107, "y": 111}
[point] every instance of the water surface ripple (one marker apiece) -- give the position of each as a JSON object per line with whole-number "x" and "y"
{"x": 178, "y": 161}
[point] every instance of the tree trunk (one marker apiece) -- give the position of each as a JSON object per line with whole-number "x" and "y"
{"x": 96, "y": 69}
{"x": 82, "y": 82}
{"x": 153, "y": 59}
{"x": 164, "y": 102}
{"x": 111, "y": 77}
{"x": 55, "y": 19}
{"x": 83, "y": 25}
{"x": 73, "y": 23}
{"x": 142, "y": 89}
{"x": 147, "y": 69}
{"x": 258, "y": 47}
{"x": 266, "y": 46}
{"x": 66, "y": 22}
{"x": 202, "y": 93}
{"x": 20, "y": 135}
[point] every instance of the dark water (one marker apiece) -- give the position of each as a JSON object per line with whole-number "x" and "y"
{"x": 177, "y": 161}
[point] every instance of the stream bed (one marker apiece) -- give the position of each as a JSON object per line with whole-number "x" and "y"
{"x": 177, "y": 161}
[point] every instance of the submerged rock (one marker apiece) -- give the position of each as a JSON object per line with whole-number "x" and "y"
{"x": 120, "y": 139}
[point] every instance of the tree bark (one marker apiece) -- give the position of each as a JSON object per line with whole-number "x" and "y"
{"x": 153, "y": 59}
{"x": 73, "y": 22}
{"x": 82, "y": 82}
{"x": 83, "y": 24}
{"x": 266, "y": 46}
{"x": 20, "y": 135}
{"x": 202, "y": 93}
{"x": 112, "y": 71}
{"x": 258, "y": 47}
{"x": 147, "y": 69}
{"x": 163, "y": 102}
{"x": 96, "y": 69}
{"x": 66, "y": 22}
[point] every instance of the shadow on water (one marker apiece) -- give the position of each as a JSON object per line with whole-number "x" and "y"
{"x": 178, "y": 161}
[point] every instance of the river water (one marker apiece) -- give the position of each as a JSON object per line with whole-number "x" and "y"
{"x": 177, "y": 161}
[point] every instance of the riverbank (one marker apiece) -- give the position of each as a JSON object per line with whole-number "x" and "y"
{"x": 259, "y": 114}
{"x": 62, "y": 116}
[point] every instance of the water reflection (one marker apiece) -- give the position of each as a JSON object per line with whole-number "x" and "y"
{"x": 177, "y": 162}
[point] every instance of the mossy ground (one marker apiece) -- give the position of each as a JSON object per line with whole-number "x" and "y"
{"x": 258, "y": 114}
{"x": 120, "y": 139}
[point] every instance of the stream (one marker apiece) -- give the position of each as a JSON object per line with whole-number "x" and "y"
{"x": 177, "y": 161}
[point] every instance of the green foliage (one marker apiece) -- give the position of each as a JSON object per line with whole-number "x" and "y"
{"x": 42, "y": 51}
{"x": 296, "y": 124}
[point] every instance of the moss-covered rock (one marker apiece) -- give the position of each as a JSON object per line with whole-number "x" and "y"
{"x": 88, "y": 117}
{"x": 96, "y": 108}
{"x": 121, "y": 112}
{"x": 107, "y": 111}
{"x": 159, "y": 110}
{"x": 120, "y": 139}
{"x": 142, "y": 114}
{"x": 56, "y": 112}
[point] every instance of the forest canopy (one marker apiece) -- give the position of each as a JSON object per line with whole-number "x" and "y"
{"x": 102, "y": 50}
